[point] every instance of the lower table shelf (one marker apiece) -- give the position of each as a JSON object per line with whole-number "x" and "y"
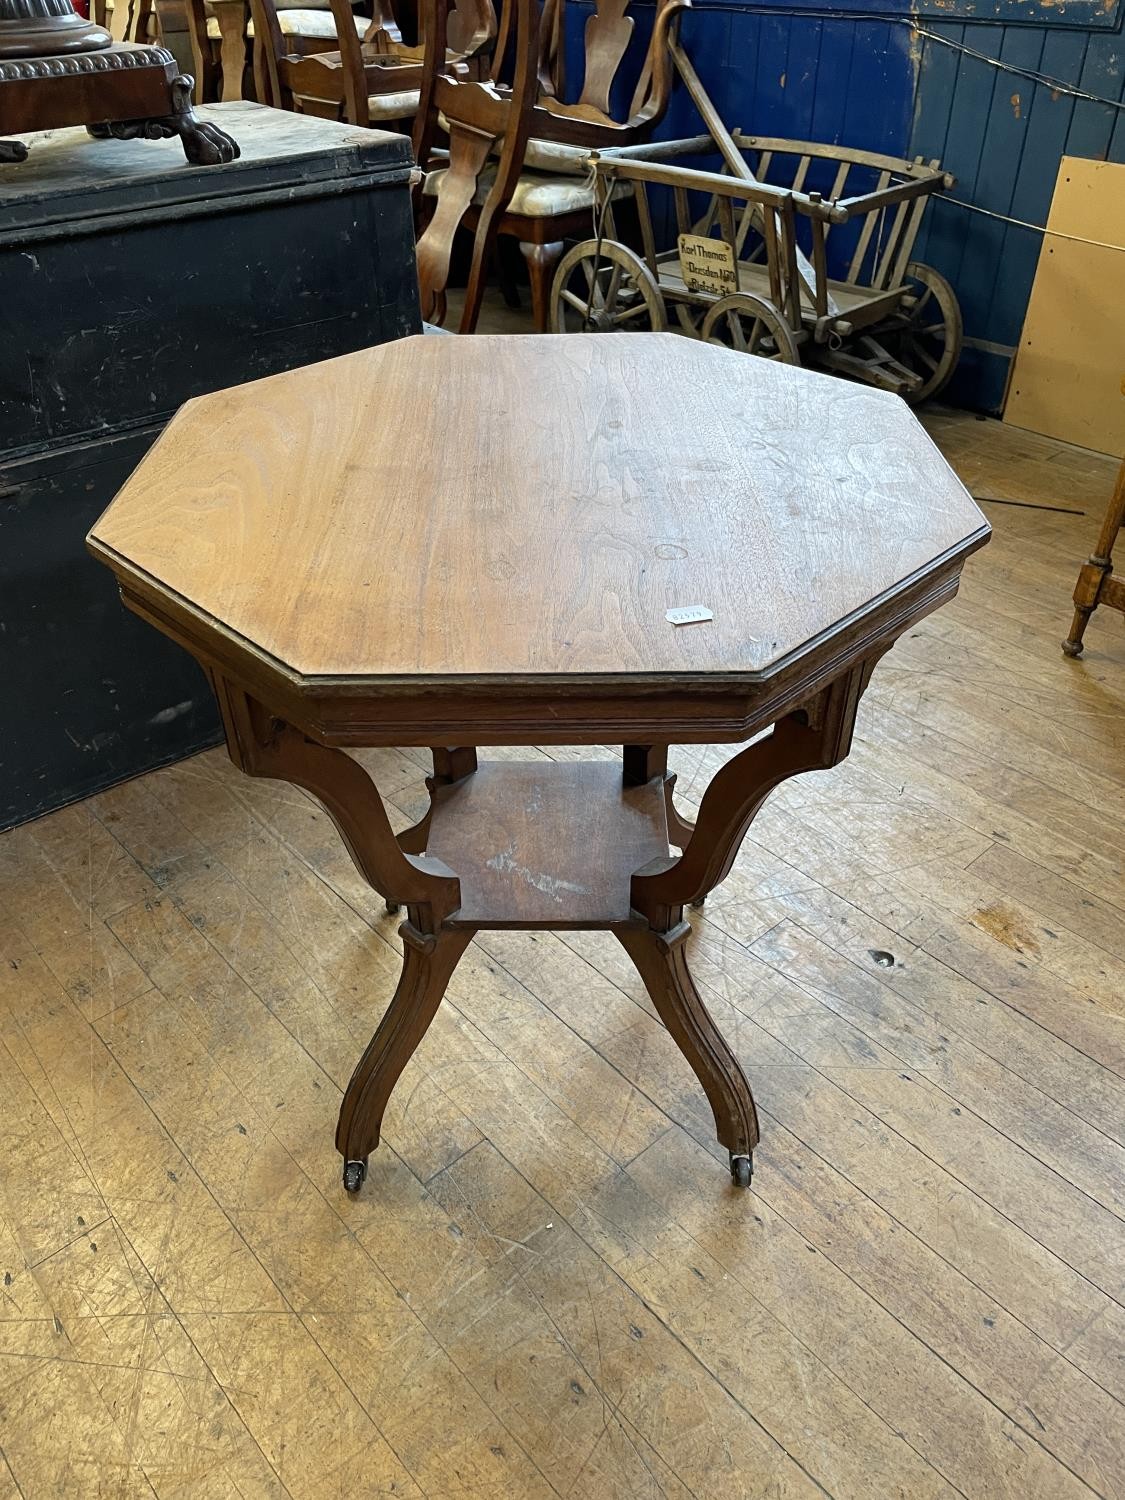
{"x": 547, "y": 844}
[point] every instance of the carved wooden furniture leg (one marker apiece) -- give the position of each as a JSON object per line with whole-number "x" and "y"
{"x": 661, "y": 963}
{"x": 428, "y": 962}
{"x": 263, "y": 745}
{"x": 541, "y": 262}
{"x": 809, "y": 739}
{"x": 1096, "y": 583}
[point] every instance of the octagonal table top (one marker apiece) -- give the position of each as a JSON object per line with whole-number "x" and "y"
{"x": 525, "y": 510}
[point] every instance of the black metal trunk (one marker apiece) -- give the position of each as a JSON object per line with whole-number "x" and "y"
{"x": 130, "y": 282}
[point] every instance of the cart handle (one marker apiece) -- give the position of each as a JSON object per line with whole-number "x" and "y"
{"x": 865, "y": 203}
{"x": 716, "y": 183}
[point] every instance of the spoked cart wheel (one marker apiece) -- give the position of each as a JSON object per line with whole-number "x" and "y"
{"x": 750, "y": 325}
{"x": 605, "y": 289}
{"x": 926, "y": 335}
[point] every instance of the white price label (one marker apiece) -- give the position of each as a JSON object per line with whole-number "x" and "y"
{"x": 688, "y": 614}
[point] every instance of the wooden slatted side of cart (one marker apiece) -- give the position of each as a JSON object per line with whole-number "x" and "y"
{"x": 737, "y": 273}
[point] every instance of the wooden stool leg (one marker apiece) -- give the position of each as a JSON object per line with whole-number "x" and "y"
{"x": 541, "y": 262}
{"x": 1095, "y": 584}
{"x": 661, "y": 963}
{"x": 1072, "y": 646}
{"x": 427, "y": 965}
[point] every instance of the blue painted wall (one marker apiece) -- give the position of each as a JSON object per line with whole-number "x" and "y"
{"x": 1003, "y": 136}
{"x": 866, "y": 79}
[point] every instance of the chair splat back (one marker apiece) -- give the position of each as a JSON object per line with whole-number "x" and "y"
{"x": 590, "y": 121}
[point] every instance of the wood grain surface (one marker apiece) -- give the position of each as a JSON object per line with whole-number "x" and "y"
{"x": 497, "y": 506}
{"x": 537, "y": 845}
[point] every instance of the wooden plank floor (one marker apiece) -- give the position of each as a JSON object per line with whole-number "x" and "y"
{"x": 547, "y": 1286}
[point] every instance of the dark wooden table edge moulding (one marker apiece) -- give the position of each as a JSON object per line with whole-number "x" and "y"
{"x": 295, "y": 729}
{"x": 561, "y": 709}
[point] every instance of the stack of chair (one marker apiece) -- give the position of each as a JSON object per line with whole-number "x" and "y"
{"x": 373, "y": 78}
{"x": 303, "y": 27}
{"x": 517, "y": 152}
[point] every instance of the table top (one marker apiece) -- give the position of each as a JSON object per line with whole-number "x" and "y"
{"x": 523, "y": 511}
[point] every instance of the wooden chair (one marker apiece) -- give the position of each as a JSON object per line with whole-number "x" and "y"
{"x": 552, "y": 198}
{"x": 589, "y": 120}
{"x": 481, "y": 117}
{"x": 375, "y": 79}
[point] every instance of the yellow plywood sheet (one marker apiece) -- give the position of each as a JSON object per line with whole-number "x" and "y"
{"x": 1069, "y": 376}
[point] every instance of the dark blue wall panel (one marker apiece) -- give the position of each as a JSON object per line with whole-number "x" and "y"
{"x": 1003, "y": 135}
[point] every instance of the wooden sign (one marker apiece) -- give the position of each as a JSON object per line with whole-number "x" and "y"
{"x": 707, "y": 265}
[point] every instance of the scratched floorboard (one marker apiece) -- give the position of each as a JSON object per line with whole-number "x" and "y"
{"x": 547, "y": 1287}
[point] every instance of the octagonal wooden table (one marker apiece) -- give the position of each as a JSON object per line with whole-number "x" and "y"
{"x": 462, "y": 542}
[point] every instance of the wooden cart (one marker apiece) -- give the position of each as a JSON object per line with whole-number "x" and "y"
{"x": 750, "y": 263}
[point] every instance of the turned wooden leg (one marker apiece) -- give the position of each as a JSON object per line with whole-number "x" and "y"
{"x": 541, "y": 262}
{"x": 1096, "y": 584}
{"x": 662, "y": 964}
{"x": 1072, "y": 646}
{"x": 428, "y": 962}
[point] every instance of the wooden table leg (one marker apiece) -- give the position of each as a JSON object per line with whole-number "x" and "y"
{"x": 662, "y": 964}
{"x": 231, "y": 16}
{"x": 428, "y": 963}
{"x": 261, "y": 744}
{"x": 814, "y": 738}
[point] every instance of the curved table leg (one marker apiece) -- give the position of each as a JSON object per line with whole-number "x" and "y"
{"x": 427, "y": 965}
{"x": 263, "y": 745}
{"x": 810, "y": 738}
{"x": 662, "y": 964}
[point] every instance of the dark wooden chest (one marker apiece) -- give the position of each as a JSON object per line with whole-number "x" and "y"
{"x": 130, "y": 282}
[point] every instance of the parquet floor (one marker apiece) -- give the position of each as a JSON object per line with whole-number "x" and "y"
{"x": 548, "y": 1287}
